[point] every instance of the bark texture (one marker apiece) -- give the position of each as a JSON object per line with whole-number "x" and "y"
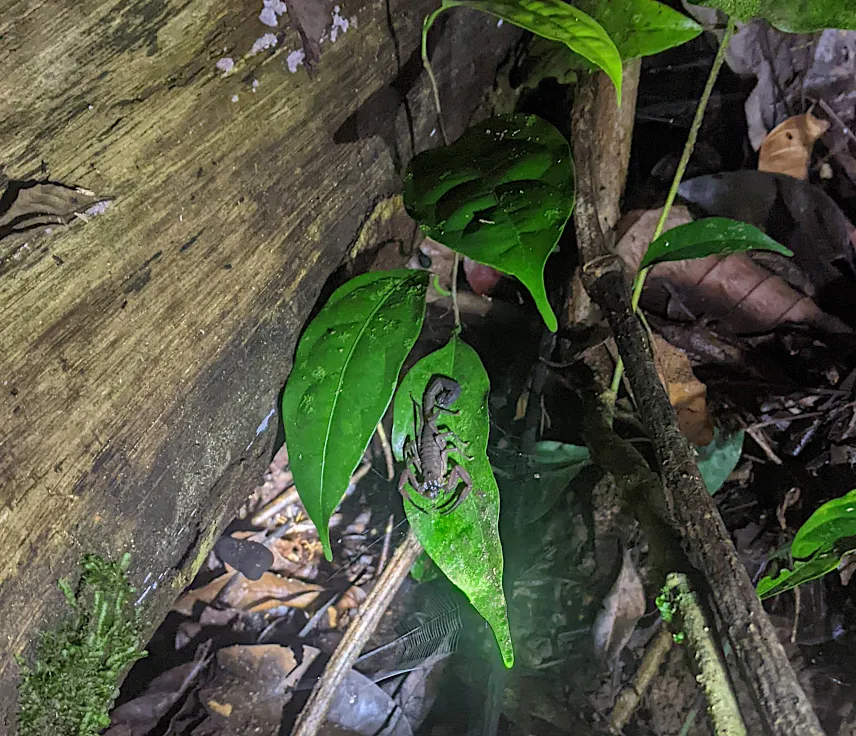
{"x": 142, "y": 352}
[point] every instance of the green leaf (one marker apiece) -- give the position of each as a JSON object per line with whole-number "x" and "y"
{"x": 792, "y": 16}
{"x": 465, "y": 543}
{"x": 641, "y": 27}
{"x": 552, "y": 19}
{"x": 424, "y": 570}
{"x": 803, "y": 572}
{"x": 553, "y": 466}
{"x": 707, "y": 237}
{"x": 718, "y": 459}
{"x": 834, "y": 520}
{"x": 501, "y": 195}
{"x": 343, "y": 379}
{"x": 818, "y": 545}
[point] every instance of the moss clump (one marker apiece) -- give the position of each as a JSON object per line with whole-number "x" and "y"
{"x": 73, "y": 682}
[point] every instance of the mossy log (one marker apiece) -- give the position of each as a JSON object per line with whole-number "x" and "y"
{"x": 142, "y": 350}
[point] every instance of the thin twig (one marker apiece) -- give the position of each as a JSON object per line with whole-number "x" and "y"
{"x": 427, "y": 64}
{"x": 639, "y": 279}
{"x": 761, "y": 440}
{"x": 455, "y": 308}
{"x": 313, "y": 714}
{"x": 630, "y": 697}
{"x": 318, "y": 615}
{"x": 286, "y": 498}
{"x": 387, "y": 451}
{"x": 387, "y": 537}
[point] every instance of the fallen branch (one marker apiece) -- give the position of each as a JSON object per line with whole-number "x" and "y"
{"x": 685, "y": 505}
{"x": 312, "y": 716}
{"x": 713, "y": 675}
{"x": 629, "y": 698}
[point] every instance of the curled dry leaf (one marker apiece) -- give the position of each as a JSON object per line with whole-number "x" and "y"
{"x": 797, "y": 214}
{"x": 250, "y": 687}
{"x": 268, "y": 592}
{"x": 686, "y": 393}
{"x": 353, "y": 598}
{"x": 622, "y": 608}
{"x": 740, "y": 294}
{"x": 787, "y": 148}
{"x": 140, "y": 716}
{"x": 296, "y": 556}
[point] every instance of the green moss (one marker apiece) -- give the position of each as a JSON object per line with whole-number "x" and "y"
{"x": 69, "y": 688}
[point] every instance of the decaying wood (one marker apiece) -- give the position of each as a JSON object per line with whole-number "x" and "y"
{"x": 686, "y": 506}
{"x": 141, "y": 352}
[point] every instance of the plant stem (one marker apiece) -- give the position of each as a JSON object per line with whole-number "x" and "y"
{"x": 426, "y": 26}
{"x": 639, "y": 279}
{"x": 455, "y": 308}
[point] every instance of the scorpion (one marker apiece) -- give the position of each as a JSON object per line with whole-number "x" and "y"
{"x": 429, "y": 451}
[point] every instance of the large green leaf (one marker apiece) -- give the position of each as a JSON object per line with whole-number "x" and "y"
{"x": 707, "y": 237}
{"x": 343, "y": 379}
{"x": 804, "y": 571}
{"x": 501, "y": 195}
{"x": 818, "y": 545}
{"x": 465, "y": 543}
{"x": 834, "y": 520}
{"x": 641, "y": 27}
{"x": 553, "y": 19}
{"x": 793, "y": 16}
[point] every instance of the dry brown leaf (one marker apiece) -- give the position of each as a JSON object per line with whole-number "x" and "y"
{"x": 268, "y": 592}
{"x": 686, "y": 393}
{"x": 787, "y": 148}
{"x": 250, "y": 686}
{"x": 741, "y": 295}
{"x": 46, "y": 203}
{"x": 622, "y": 608}
{"x": 352, "y": 598}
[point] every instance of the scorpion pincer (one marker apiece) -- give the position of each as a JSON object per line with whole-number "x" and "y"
{"x": 429, "y": 452}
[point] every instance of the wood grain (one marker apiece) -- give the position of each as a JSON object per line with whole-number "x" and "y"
{"x": 140, "y": 352}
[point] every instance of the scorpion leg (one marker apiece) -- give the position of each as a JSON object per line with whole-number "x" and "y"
{"x": 411, "y": 455}
{"x": 405, "y": 478}
{"x": 458, "y": 475}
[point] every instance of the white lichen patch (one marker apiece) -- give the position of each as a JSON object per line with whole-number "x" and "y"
{"x": 225, "y": 65}
{"x": 99, "y": 208}
{"x": 271, "y": 11}
{"x": 339, "y": 24}
{"x": 295, "y": 59}
{"x": 269, "y": 40}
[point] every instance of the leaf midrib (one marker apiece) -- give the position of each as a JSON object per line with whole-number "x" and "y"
{"x": 347, "y": 363}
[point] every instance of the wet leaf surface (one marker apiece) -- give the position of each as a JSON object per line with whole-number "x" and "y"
{"x": 344, "y": 375}
{"x": 708, "y": 237}
{"x": 554, "y": 20}
{"x": 465, "y": 543}
{"x": 500, "y": 195}
{"x": 641, "y": 27}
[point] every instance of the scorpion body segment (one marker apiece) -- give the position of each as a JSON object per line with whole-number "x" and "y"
{"x": 429, "y": 452}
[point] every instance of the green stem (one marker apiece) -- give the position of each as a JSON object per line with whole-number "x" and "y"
{"x": 426, "y": 26}
{"x": 455, "y": 308}
{"x": 639, "y": 280}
